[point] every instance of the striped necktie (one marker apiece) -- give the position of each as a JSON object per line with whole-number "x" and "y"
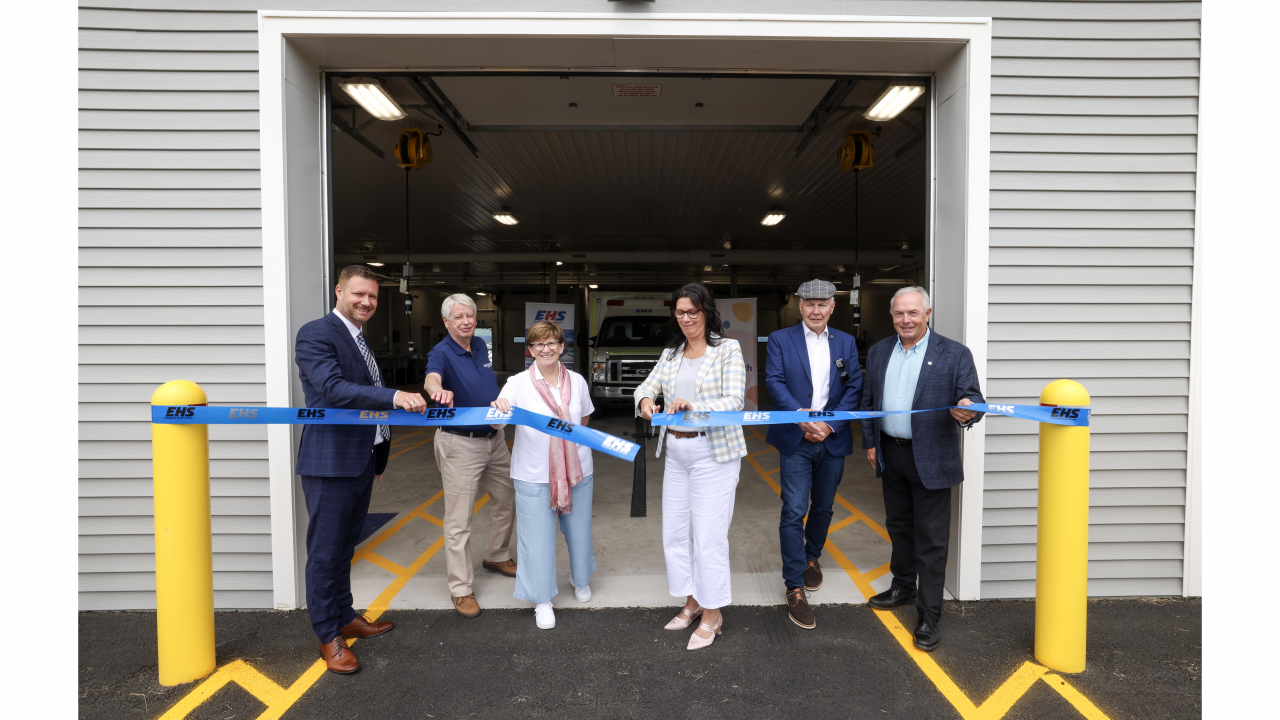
{"x": 384, "y": 431}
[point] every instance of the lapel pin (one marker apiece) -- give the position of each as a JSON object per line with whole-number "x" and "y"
{"x": 930, "y": 362}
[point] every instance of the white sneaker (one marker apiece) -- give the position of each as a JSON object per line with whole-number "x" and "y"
{"x": 582, "y": 593}
{"x": 545, "y": 616}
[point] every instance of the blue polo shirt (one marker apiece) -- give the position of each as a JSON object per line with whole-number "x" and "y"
{"x": 468, "y": 374}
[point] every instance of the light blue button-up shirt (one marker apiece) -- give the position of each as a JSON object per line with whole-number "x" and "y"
{"x": 900, "y": 385}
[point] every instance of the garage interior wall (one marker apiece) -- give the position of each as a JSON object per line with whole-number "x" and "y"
{"x": 1093, "y": 159}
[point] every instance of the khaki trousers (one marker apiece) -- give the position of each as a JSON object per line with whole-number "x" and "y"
{"x": 470, "y": 467}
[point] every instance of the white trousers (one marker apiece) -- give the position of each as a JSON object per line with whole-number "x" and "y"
{"x": 697, "y": 507}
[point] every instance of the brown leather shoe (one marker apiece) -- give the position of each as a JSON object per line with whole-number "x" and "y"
{"x": 339, "y": 657}
{"x": 467, "y": 606}
{"x": 812, "y": 576}
{"x": 798, "y": 609}
{"x": 506, "y": 567}
{"x": 360, "y": 628}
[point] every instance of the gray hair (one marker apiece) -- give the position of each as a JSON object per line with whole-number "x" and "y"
{"x": 456, "y": 299}
{"x": 924, "y": 297}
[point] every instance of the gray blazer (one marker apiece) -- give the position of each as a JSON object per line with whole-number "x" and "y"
{"x": 947, "y": 375}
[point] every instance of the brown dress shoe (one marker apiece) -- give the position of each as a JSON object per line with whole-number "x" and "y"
{"x": 812, "y": 576}
{"x": 360, "y": 627}
{"x": 339, "y": 657}
{"x": 506, "y": 567}
{"x": 798, "y": 609}
{"x": 467, "y": 606}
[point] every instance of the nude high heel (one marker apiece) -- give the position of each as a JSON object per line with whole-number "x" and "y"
{"x": 682, "y": 621}
{"x": 696, "y": 641}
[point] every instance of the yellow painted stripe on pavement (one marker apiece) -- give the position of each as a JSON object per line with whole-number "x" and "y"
{"x": 411, "y": 447}
{"x": 1073, "y": 696}
{"x": 383, "y": 563}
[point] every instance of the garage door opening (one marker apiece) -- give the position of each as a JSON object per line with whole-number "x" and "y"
{"x": 595, "y": 194}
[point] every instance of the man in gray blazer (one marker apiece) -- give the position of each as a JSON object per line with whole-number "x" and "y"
{"x": 917, "y": 457}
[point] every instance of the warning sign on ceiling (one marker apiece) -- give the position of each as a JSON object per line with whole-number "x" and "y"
{"x": 637, "y": 91}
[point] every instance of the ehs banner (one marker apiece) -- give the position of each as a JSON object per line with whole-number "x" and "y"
{"x": 558, "y": 313}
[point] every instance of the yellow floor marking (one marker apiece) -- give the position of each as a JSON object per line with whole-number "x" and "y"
{"x": 998, "y": 704}
{"x": 402, "y": 437}
{"x": 395, "y": 528}
{"x": 1073, "y": 696}
{"x": 411, "y": 447}
{"x": 429, "y": 518}
{"x": 278, "y": 699}
{"x": 383, "y": 563}
{"x": 843, "y": 524}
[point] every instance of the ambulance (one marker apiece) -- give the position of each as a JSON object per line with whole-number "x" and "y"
{"x": 628, "y": 332}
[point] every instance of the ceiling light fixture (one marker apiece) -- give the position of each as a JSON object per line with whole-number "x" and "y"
{"x": 893, "y": 101}
{"x": 559, "y": 263}
{"x": 374, "y": 99}
{"x": 481, "y": 294}
{"x": 374, "y": 264}
{"x": 505, "y": 217}
{"x": 773, "y": 218}
{"x": 593, "y": 287}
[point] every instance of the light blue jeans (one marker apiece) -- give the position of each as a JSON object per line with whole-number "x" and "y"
{"x": 536, "y": 540}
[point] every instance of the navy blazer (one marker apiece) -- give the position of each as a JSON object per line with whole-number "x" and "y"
{"x": 788, "y": 378}
{"x": 334, "y": 375}
{"x": 947, "y": 376}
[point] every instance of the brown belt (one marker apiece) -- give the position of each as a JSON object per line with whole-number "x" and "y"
{"x": 681, "y": 434}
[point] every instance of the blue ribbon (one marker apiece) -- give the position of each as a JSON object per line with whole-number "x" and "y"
{"x": 1075, "y": 416}
{"x": 223, "y": 415}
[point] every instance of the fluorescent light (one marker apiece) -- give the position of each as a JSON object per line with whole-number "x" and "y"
{"x": 374, "y": 98}
{"x": 773, "y": 218}
{"x": 374, "y": 264}
{"x": 893, "y": 102}
{"x": 505, "y": 217}
{"x": 481, "y": 294}
{"x": 593, "y": 287}
{"x": 559, "y": 263}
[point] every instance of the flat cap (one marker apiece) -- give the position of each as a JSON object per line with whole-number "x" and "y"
{"x": 816, "y": 290}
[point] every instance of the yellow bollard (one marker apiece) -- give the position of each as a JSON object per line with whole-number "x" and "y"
{"x": 184, "y": 540}
{"x": 1062, "y": 538}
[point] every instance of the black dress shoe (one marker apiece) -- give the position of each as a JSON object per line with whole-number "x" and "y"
{"x": 892, "y": 598}
{"x": 799, "y": 610}
{"x": 812, "y": 576}
{"x": 927, "y": 635}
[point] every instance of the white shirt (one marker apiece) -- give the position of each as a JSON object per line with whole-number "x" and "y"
{"x": 531, "y": 452}
{"x": 687, "y": 387}
{"x": 355, "y": 332}
{"x": 819, "y": 365}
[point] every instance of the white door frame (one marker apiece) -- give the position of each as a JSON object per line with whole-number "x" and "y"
{"x": 275, "y": 26}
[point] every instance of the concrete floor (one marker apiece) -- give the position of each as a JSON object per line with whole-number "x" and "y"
{"x": 631, "y": 571}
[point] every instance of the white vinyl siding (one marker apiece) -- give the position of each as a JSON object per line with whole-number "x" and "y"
{"x": 1094, "y": 122}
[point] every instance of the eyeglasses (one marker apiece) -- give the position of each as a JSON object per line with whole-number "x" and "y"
{"x": 692, "y": 314}
{"x": 539, "y": 347}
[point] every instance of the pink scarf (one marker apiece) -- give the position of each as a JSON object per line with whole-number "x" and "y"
{"x": 565, "y": 469}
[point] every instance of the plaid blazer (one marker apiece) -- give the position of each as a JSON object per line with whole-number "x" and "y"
{"x": 722, "y": 385}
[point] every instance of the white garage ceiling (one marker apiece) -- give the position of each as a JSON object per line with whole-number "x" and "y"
{"x": 620, "y": 172}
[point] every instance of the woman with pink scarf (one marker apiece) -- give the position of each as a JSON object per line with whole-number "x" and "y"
{"x": 552, "y": 476}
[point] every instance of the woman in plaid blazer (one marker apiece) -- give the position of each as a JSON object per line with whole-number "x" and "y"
{"x": 699, "y": 370}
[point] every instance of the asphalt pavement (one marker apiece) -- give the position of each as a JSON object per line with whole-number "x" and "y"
{"x": 1143, "y": 662}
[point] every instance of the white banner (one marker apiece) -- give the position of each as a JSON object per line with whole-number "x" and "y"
{"x": 558, "y": 313}
{"x": 739, "y": 318}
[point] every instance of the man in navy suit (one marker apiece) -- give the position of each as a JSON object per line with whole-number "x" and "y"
{"x": 917, "y": 457}
{"x": 810, "y": 366}
{"x": 339, "y": 463}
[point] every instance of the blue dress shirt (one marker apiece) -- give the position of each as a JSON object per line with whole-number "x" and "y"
{"x": 900, "y": 385}
{"x": 468, "y": 374}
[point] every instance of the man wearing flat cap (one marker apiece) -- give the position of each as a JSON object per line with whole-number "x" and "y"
{"x": 810, "y": 366}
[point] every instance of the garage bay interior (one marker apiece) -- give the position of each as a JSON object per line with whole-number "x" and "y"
{"x": 605, "y": 191}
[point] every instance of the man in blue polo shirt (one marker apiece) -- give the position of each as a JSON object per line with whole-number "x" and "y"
{"x": 473, "y": 459}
